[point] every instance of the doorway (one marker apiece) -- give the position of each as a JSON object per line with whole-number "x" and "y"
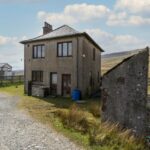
{"x": 66, "y": 85}
{"x": 53, "y": 83}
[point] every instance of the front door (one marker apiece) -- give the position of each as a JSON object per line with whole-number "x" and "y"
{"x": 53, "y": 83}
{"x": 66, "y": 85}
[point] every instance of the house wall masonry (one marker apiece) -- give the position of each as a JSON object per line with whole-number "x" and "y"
{"x": 124, "y": 93}
{"x": 64, "y": 65}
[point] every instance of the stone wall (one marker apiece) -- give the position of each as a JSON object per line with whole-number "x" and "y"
{"x": 124, "y": 93}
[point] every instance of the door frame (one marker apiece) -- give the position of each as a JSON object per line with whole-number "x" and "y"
{"x": 62, "y": 91}
{"x": 50, "y": 78}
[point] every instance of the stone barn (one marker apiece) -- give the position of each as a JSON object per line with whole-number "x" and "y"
{"x": 124, "y": 93}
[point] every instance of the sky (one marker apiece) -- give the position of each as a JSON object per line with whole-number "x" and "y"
{"x": 116, "y": 25}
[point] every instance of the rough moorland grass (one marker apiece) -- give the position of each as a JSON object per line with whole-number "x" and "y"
{"x": 79, "y": 122}
{"x": 101, "y": 135}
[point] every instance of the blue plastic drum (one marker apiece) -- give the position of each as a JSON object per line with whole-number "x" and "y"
{"x": 76, "y": 95}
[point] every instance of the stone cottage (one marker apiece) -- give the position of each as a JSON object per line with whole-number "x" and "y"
{"x": 61, "y": 60}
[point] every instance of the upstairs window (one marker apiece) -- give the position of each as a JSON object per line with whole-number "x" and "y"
{"x": 39, "y": 51}
{"x": 37, "y": 76}
{"x": 94, "y": 54}
{"x": 64, "y": 49}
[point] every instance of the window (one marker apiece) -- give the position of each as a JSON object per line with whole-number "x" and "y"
{"x": 93, "y": 53}
{"x": 54, "y": 78}
{"x": 59, "y": 51}
{"x": 37, "y": 76}
{"x": 39, "y": 51}
{"x": 64, "y": 49}
{"x": 70, "y": 49}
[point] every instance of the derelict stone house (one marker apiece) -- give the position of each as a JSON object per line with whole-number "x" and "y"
{"x": 61, "y": 60}
{"x": 5, "y": 69}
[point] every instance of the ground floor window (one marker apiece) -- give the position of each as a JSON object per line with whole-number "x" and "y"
{"x": 37, "y": 76}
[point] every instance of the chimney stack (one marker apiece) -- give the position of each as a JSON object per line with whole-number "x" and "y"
{"x": 47, "y": 28}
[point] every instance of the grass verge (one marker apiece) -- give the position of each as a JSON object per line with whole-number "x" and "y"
{"x": 81, "y": 123}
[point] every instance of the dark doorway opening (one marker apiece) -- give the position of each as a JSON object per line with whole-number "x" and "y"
{"x": 66, "y": 85}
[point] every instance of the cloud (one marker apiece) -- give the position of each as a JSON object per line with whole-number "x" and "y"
{"x": 86, "y": 12}
{"x": 124, "y": 19}
{"x": 78, "y": 13}
{"x": 8, "y": 40}
{"x": 134, "y": 6}
{"x": 3, "y": 40}
{"x": 75, "y": 13}
{"x": 56, "y": 18}
{"x": 11, "y": 51}
{"x": 115, "y": 43}
{"x": 127, "y": 13}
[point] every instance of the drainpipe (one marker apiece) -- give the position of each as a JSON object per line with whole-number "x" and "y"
{"x": 77, "y": 62}
{"x": 25, "y": 86}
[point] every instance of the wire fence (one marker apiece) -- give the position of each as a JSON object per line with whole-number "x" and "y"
{"x": 6, "y": 80}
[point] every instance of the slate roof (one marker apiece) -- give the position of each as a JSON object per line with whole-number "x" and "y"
{"x": 63, "y": 31}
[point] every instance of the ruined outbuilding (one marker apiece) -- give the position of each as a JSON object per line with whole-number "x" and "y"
{"x": 124, "y": 93}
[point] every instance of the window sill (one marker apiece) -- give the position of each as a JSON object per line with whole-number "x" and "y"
{"x": 37, "y": 83}
{"x": 64, "y": 56}
{"x": 38, "y": 58}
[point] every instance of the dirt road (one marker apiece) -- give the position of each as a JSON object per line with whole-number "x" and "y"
{"x": 18, "y": 131}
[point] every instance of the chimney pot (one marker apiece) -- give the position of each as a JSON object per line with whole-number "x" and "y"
{"x": 47, "y": 28}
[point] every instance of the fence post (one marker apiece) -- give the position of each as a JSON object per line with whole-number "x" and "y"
{"x": 11, "y": 79}
{"x": 19, "y": 79}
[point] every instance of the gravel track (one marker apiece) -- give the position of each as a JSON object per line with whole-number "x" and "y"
{"x": 18, "y": 131}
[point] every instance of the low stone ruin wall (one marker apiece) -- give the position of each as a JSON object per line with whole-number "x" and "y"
{"x": 124, "y": 93}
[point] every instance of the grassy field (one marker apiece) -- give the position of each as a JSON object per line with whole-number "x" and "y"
{"x": 80, "y": 122}
{"x": 109, "y": 62}
{"x": 112, "y": 60}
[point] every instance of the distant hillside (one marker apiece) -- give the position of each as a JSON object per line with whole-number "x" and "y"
{"x": 112, "y": 59}
{"x": 120, "y": 54}
{"x": 18, "y": 72}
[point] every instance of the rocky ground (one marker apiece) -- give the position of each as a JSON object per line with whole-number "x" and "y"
{"x": 18, "y": 131}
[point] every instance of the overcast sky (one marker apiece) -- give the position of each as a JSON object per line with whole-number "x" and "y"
{"x": 116, "y": 25}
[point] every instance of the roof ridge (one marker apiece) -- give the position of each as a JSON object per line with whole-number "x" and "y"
{"x": 49, "y": 32}
{"x": 71, "y": 27}
{"x": 57, "y": 29}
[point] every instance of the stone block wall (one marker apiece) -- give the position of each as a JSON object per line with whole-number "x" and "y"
{"x": 124, "y": 93}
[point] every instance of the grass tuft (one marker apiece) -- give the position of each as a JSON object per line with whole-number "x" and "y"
{"x": 94, "y": 108}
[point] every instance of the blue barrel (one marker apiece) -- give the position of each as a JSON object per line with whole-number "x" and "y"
{"x": 76, "y": 95}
